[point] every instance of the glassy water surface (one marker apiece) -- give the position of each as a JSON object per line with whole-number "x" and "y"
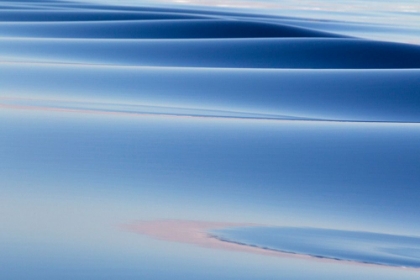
{"x": 131, "y": 132}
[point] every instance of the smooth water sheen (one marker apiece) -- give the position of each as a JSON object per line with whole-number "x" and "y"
{"x": 363, "y": 247}
{"x": 302, "y": 119}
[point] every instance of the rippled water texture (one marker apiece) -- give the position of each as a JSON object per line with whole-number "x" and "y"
{"x": 355, "y": 246}
{"x": 130, "y": 131}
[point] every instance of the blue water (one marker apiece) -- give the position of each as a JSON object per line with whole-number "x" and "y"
{"x": 284, "y": 116}
{"x": 363, "y": 247}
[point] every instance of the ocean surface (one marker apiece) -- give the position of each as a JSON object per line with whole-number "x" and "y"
{"x": 259, "y": 127}
{"x": 362, "y": 247}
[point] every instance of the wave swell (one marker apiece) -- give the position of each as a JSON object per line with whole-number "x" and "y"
{"x": 204, "y": 60}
